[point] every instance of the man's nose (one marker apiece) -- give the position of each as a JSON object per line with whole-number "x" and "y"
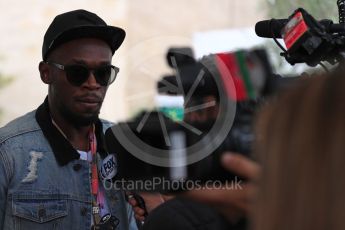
{"x": 91, "y": 81}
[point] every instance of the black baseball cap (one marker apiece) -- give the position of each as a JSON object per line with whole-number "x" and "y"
{"x": 80, "y": 24}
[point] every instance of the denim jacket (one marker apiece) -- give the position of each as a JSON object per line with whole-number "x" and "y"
{"x": 44, "y": 184}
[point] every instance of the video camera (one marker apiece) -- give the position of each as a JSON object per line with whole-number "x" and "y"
{"x": 221, "y": 94}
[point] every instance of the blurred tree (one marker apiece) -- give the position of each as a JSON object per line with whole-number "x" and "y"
{"x": 4, "y": 81}
{"x": 319, "y": 9}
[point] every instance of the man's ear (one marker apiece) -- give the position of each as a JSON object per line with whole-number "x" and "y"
{"x": 45, "y": 72}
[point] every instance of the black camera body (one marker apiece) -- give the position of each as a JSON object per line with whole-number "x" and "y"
{"x": 182, "y": 140}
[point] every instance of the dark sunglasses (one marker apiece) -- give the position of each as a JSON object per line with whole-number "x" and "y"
{"x": 78, "y": 74}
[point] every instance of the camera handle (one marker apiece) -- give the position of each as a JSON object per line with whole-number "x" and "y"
{"x": 341, "y": 9}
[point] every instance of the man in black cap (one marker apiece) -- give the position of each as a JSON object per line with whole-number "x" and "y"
{"x": 56, "y": 171}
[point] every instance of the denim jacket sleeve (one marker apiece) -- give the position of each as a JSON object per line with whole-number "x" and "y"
{"x": 4, "y": 182}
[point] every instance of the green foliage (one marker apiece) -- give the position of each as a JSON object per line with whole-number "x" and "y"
{"x": 5, "y": 81}
{"x": 319, "y": 9}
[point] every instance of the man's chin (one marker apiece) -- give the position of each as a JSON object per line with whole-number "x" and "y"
{"x": 86, "y": 121}
{"x": 83, "y": 120}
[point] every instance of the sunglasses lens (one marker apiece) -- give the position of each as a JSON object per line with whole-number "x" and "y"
{"x": 76, "y": 74}
{"x": 105, "y": 75}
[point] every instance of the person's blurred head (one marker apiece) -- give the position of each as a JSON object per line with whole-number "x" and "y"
{"x": 301, "y": 143}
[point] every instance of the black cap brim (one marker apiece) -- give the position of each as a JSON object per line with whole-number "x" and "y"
{"x": 113, "y": 36}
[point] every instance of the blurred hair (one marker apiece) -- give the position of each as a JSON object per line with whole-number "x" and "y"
{"x": 301, "y": 145}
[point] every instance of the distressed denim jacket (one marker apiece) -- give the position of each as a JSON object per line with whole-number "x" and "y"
{"x": 44, "y": 184}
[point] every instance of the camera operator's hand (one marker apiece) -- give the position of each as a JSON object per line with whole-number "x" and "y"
{"x": 233, "y": 202}
{"x": 152, "y": 200}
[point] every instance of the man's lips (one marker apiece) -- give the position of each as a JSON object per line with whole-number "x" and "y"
{"x": 90, "y": 101}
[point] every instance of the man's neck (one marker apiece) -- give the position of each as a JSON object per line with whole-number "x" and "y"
{"x": 78, "y": 136}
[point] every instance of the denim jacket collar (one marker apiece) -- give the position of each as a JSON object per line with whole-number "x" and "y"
{"x": 62, "y": 148}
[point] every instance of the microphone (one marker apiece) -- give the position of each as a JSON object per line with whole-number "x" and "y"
{"x": 270, "y": 28}
{"x": 273, "y": 27}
